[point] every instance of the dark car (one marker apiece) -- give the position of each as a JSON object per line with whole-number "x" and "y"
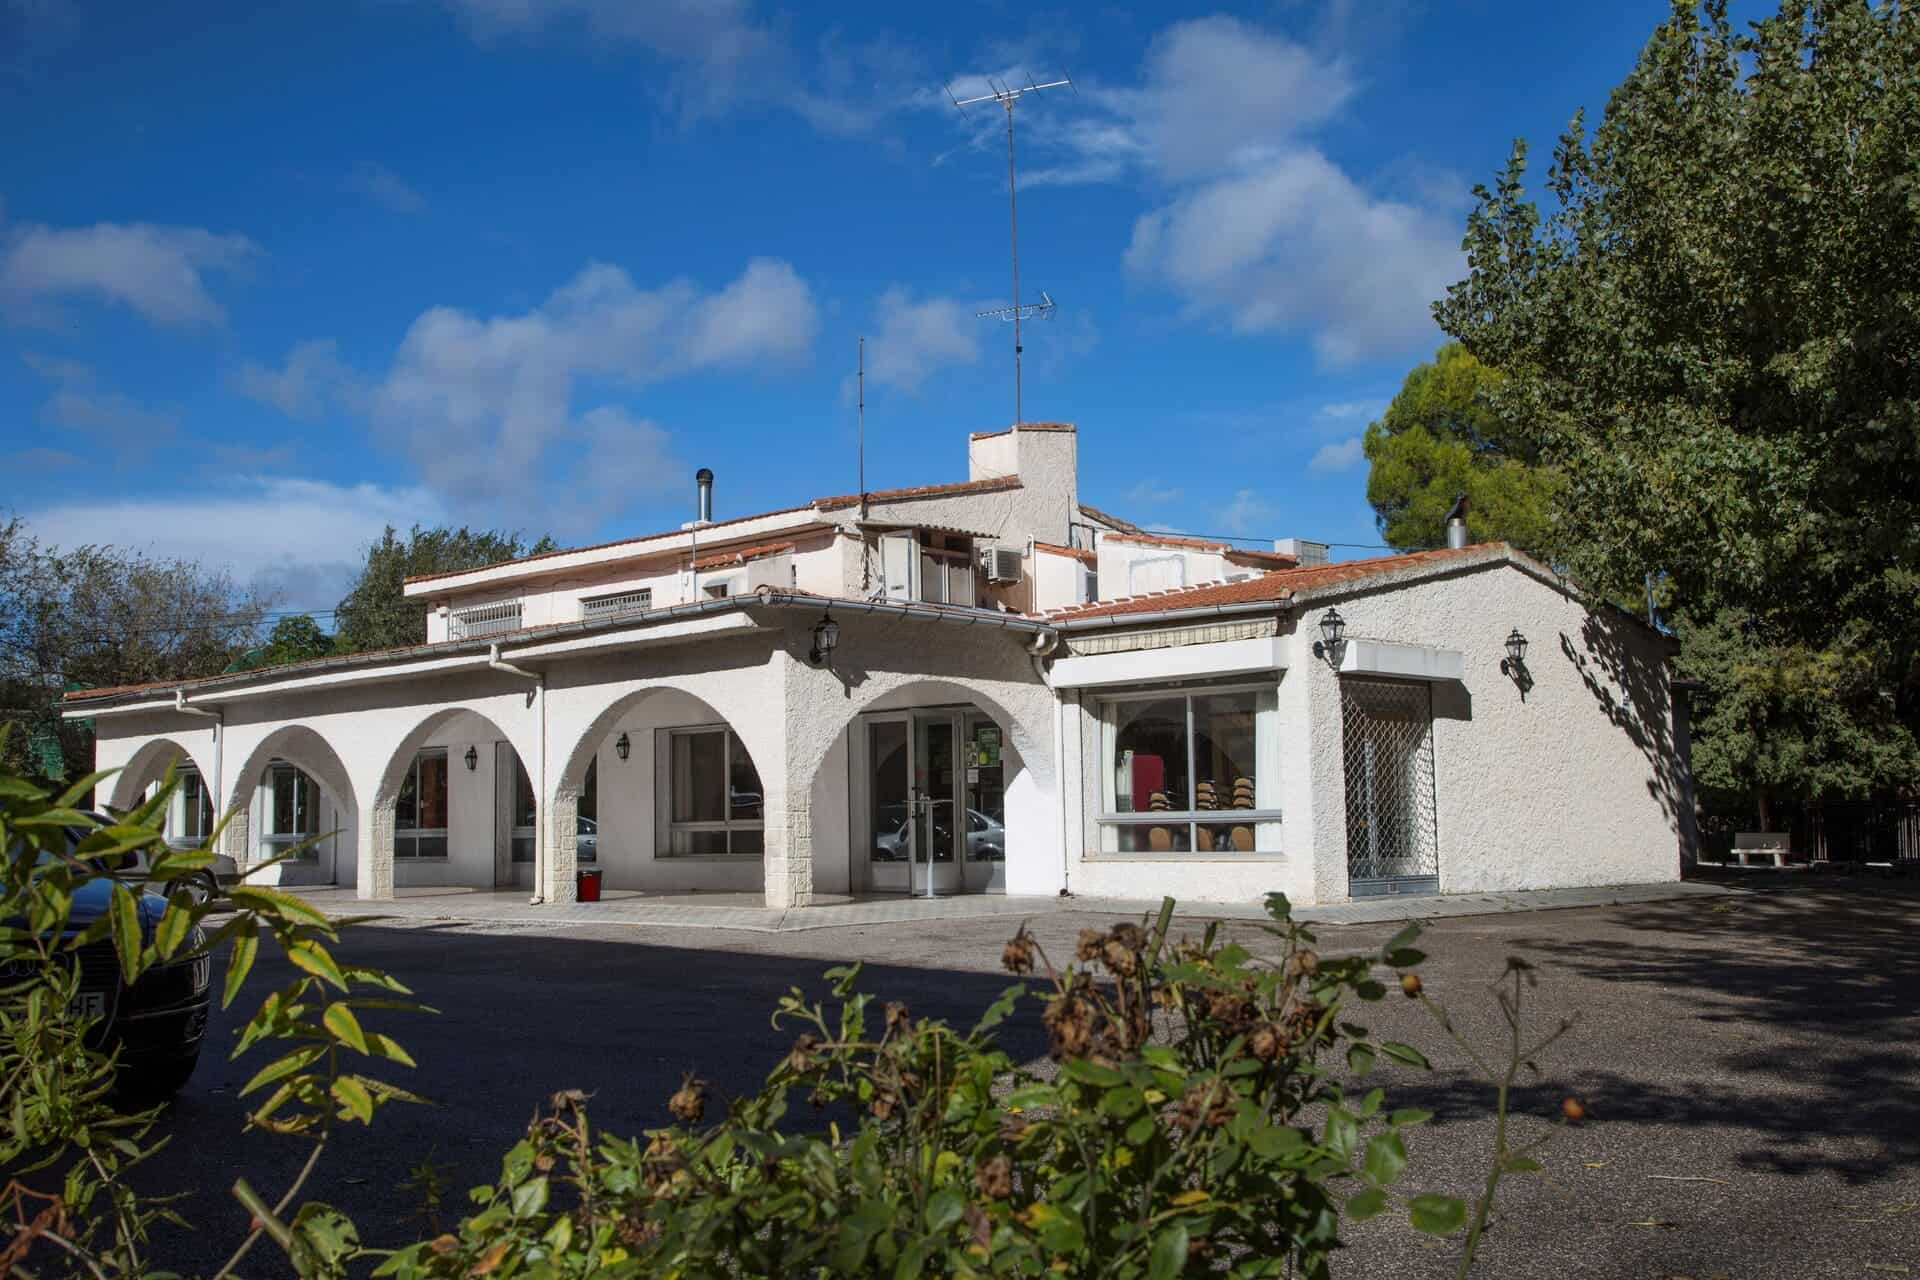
{"x": 157, "y": 1023}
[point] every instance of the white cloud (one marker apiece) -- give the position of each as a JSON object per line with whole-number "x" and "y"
{"x": 56, "y": 368}
{"x": 1293, "y": 245}
{"x": 158, "y": 271}
{"x": 482, "y": 405}
{"x": 383, "y": 186}
{"x": 1245, "y": 515}
{"x": 914, "y": 340}
{"x": 312, "y": 378}
{"x": 303, "y": 538}
{"x": 1343, "y": 456}
{"x": 1148, "y": 494}
{"x": 1343, "y": 409}
{"x": 1251, "y": 222}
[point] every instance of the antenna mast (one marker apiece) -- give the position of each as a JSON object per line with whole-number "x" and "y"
{"x": 1006, "y": 96}
{"x": 860, "y": 382}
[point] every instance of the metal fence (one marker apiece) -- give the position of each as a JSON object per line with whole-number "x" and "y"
{"x": 1883, "y": 830}
{"x": 485, "y": 620}
{"x": 1392, "y": 844}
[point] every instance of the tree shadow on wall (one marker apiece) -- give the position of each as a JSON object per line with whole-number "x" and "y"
{"x": 1631, "y": 691}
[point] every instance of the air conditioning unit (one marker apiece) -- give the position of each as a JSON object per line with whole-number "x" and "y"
{"x": 1002, "y": 564}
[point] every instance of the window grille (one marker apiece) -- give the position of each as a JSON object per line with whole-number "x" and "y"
{"x": 1392, "y": 845}
{"x": 601, "y": 607}
{"x": 486, "y": 620}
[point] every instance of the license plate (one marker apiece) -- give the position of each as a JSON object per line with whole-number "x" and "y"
{"x": 89, "y": 1004}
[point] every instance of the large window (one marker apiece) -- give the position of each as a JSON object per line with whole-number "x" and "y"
{"x": 1190, "y": 771}
{"x": 714, "y": 798}
{"x": 586, "y": 839}
{"x": 523, "y": 810}
{"x": 420, "y": 814}
{"x": 190, "y": 814}
{"x": 293, "y": 811}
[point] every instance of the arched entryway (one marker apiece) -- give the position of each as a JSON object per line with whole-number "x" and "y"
{"x": 663, "y": 794}
{"x": 190, "y": 817}
{"x": 455, "y": 807}
{"x": 940, "y": 792}
{"x": 292, "y": 795}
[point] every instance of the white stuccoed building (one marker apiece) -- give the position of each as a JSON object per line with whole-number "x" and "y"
{"x": 984, "y": 686}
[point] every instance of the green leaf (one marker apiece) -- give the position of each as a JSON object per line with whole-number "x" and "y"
{"x": 277, "y": 904}
{"x": 385, "y": 1046}
{"x": 1366, "y": 1204}
{"x": 1091, "y": 1073}
{"x": 530, "y": 1197}
{"x": 353, "y": 1098}
{"x": 1405, "y": 1116}
{"x": 316, "y": 960}
{"x": 1122, "y": 1102}
{"x": 246, "y": 942}
{"x": 285, "y": 1065}
{"x": 1279, "y": 908}
{"x": 1406, "y": 958}
{"x": 345, "y": 1027}
{"x": 1522, "y": 1164}
{"x": 1360, "y": 1057}
{"x": 1274, "y": 1142}
{"x": 174, "y": 927}
{"x": 944, "y": 1208}
{"x": 1343, "y": 1132}
{"x": 1437, "y": 1215}
{"x": 1386, "y": 1158}
{"x": 1169, "y": 1256}
{"x": 1401, "y": 939}
{"x": 125, "y": 917}
{"x": 1405, "y": 1053}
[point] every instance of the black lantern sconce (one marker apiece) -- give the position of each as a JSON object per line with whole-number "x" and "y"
{"x": 472, "y": 758}
{"x": 826, "y": 635}
{"x": 1333, "y": 639}
{"x": 1514, "y": 665}
{"x": 622, "y": 746}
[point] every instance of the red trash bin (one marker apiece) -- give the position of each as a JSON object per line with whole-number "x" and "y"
{"x": 587, "y": 885}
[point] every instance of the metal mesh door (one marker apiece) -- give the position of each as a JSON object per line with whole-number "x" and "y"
{"x": 1391, "y": 844}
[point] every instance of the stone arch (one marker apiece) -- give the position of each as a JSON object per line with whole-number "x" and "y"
{"x": 570, "y": 777}
{"x": 149, "y": 765}
{"x": 1028, "y": 743}
{"x": 376, "y": 854}
{"x": 313, "y": 755}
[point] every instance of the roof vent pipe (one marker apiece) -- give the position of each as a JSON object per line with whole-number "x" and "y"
{"x": 1457, "y": 523}
{"x": 704, "y": 478}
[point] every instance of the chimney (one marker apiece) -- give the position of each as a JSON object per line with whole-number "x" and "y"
{"x": 704, "y": 478}
{"x": 1457, "y": 523}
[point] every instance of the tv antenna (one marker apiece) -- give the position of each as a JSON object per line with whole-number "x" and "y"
{"x": 1006, "y": 96}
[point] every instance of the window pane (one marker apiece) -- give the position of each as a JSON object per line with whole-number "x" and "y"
{"x": 523, "y": 848}
{"x": 430, "y": 846}
{"x": 589, "y": 803}
{"x": 1171, "y": 837}
{"x": 699, "y": 777}
{"x": 1230, "y": 837}
{"x": 283, "y": 780}
{"x": 747, "y": 840}
{"x": 1223, "y": 750}
{"x": 1149, "y": 761}
{"x": 523, "y": 807}
{"x": 710, "y": 840}
{"x": 744, "y": 799}
{"x": 433, "y": 791}
{"x": 406, "y": 809}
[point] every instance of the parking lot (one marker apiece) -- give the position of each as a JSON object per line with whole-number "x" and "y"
{"x": 1750, "y": 1063}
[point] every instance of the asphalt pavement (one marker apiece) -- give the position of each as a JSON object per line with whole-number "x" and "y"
{"x": 1750, "y": 1064}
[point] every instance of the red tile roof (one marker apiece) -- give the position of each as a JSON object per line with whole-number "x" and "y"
{"x": 1261, "y": 559}
{"x": 1280, "y": 585}
{"x": 1078, "y": 553}
{"x": 991, "y": 485}
{"x": 601, "y": 546}
{"x": 740, "y": 555}
{"x": 1127, "y": 526}
{"x": 1168, "y": 540}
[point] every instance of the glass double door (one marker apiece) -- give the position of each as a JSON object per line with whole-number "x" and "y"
{"x": 936, "y": 811}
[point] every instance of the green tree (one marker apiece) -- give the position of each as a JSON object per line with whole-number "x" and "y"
{"x": 1442, "y": 437}
{"x": 99, "y": 616}
{"x": 376, "y": 614}
{"x": 1714, "y": 334}
{"x": 295, "y": 638}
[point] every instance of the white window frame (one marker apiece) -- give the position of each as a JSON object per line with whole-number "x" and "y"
{"x": 669, "y": 827}
{"x": 1265, "y": 820}
{"x": 189, "y": 825}
{"x": 519, "y": 837}
{"x": 273, "y": 843}
{"x": 413, "y": 835}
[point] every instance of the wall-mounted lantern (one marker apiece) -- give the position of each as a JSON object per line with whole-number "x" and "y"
{"x": 1514, "y": 665}
{"x": 622, "y": 746}
{"x": 826, "y": 635}
{"x": 472, "y": 758}
{"x": 1332, "y": 643}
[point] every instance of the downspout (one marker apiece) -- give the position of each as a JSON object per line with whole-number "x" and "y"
{"x": 542, "y": 817}
{"x": 219, "y": 723}
{"x": 1037, "y": 650}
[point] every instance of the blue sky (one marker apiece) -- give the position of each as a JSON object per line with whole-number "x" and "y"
{"x": 273, "y": 276}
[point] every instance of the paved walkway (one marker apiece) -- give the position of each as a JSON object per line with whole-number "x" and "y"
{"x": 510, "y": 909}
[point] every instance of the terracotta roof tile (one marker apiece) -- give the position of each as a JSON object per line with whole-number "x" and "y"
{"x": 1125, "y": 526}
{"x": 991, "y": 485}
{"x": 1168, "y": 540}
{"x": 1278, "y": 586}
{"x": 740, "y": 555}
{"x": 1261, "y": 559}
{"x": 1078, "y": 553}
